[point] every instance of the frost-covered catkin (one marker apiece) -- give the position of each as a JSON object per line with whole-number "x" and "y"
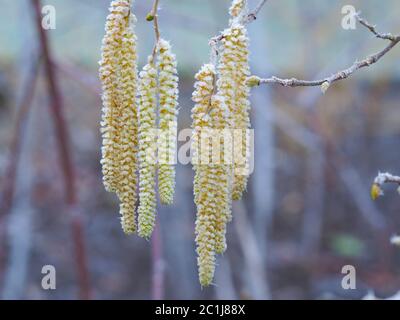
{"x": 147, "y": 148}
{"x": 241, "y": 116}
{"x": 204, "y": 87}
{"x": 110, "y": 124}
{"x": 168, "y": 102}
{"x": 128, "y": 84}
{"x": 233, "y": 71}
{"x": 204, "y": 179}
{"x": 220, "y": 188}
{"x": 227, "y": 85}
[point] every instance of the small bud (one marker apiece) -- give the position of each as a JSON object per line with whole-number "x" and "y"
{"x": 253, "y": 81}
{"x": 150, "y": 17}
{"x": 375, "y": 191}
{"x": 325, "y": 86}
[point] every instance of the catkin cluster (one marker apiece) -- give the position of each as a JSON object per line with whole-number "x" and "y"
{"x": 211, "y": 182}
{"x": 119, "y": 124}
{"x": 157, "y": 142}
{"x": 129, "y": 125}
{"x": 221, "y": 109}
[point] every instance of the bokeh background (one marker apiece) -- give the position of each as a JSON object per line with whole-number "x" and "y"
{"x": 307, "y": 212}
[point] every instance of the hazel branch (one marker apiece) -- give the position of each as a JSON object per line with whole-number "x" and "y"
{"x": 343, "y": 74}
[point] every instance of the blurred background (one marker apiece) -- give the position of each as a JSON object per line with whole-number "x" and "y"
{"x": 307, "y": 212}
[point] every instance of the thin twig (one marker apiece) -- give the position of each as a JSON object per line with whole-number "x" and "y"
{"x": 372, "y": 28}
{"x": 153, "y": 16}
{"x": 386, "y": 177}
{"x": 214, "y": 41}
{"x": 253, "y": 14}
{"x": 155, "y": 13}
{"x": 343, "y": 74}
{"x": 382, "y": 178}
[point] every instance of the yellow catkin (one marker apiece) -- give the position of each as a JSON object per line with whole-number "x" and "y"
{"x": 128, "y": 84}
{"x": 242, "y": 110}
{"x": 206, "y": 215}
{"x": 204, "y": 87}
{"x": 237, "y": 8}
{"x": 168, "y": 102}
{"x": 147, "y": 148}
{"x": 220, "y": 187}
{"x": 227, "y": 86}
{"x": 233, "y": 73}
{"x": 110, "y": 125}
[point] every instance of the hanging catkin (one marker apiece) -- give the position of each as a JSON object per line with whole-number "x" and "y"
{"x": 220, "y": 169}
{"x": 227, "y": 88}
{"x": 129, "y": 124}
{"x": 147, "y": 148}
{"x": 168, "y": 104}
{"x": 205, "y": 201}
{"x": 211, "y": 189}
{"x": 128, "y": 84}
{"x": 110, "y": 124}
{"x": 233, "y": 71}
{"x": 241, "y": 116}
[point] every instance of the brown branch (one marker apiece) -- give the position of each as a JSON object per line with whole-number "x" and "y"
{"x": 65, "y": 155}
{"x": 343, "y": 74}
{"x": 8, "y": 188}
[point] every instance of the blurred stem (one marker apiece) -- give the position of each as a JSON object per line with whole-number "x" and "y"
{"x": 8, "y": 188}
{"x": 157, "y": 290}
{"x": 65, "y": 156}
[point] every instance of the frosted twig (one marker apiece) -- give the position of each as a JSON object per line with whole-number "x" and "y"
{"x": 343, "y": 74}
